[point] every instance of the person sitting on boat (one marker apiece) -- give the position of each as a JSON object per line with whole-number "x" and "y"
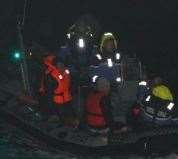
{"x": 158, "y": 107}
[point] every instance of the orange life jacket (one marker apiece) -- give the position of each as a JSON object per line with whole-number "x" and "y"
{"x": 94, "y": 114}
{"x": 62, "y": 93}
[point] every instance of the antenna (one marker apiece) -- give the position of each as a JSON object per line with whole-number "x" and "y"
{"x": 23, "y": 64}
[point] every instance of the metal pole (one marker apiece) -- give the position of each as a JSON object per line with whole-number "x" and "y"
{"x": 24, "y": 13}
{"x": 23, "y": 65}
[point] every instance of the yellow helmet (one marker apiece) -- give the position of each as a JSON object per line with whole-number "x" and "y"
{"x": 107, "y": 36}
{"x": 162, "y": 92}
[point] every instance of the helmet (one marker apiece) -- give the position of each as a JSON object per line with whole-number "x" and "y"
{"x": 85, "y": 26}
{"x": 80, "y": 35}
{"x": 105, "y": 37}
{"x": 162, "y": 92}
{"x": 79, "y": 30}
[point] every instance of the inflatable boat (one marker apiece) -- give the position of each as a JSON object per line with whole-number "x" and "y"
{"x": 158, "y": 140}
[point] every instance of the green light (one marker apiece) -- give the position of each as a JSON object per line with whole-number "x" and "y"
{"x": 17, "y": 55}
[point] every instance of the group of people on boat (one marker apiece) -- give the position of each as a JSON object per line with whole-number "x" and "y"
{"x": 78, "y": 82}
{"x": 63, "y": 75}
{"x": 73, "y": 69}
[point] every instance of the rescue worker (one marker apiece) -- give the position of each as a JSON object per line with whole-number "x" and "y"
{"x": 106, "y": 62}
{"x": 79, "y": 43}
{"x": 158, "y": 107}
{"x": 78, "y": 47}
{"x": 76, "y": 54}
{"x": 108, "y": 51}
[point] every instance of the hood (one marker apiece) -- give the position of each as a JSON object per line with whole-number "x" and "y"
{"x": 107, "y": 36}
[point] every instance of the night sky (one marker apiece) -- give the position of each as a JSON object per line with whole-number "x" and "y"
{"x": 148, "y": 28}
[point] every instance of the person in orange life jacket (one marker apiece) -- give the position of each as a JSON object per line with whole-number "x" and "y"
{"x": 59, "y": 88}
{"x": 98, "y": 107}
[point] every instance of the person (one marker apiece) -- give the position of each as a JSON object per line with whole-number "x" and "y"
{"x": 106, "y": 62}
{"x": 76, "y": 54}
{"x": 79, "y": 43}
{"x": 59, "y": 89}
{"x": 158, "y": 107}
{"x": 99, "y": 113}
{"x": 108, "y": 51}
{"x": 98, "y": 107}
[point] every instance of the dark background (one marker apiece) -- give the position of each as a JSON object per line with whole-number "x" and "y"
{"x": 148, "y": 28}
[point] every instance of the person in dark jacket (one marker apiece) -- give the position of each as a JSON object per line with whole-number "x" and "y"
{"x": 157, "y": 108}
